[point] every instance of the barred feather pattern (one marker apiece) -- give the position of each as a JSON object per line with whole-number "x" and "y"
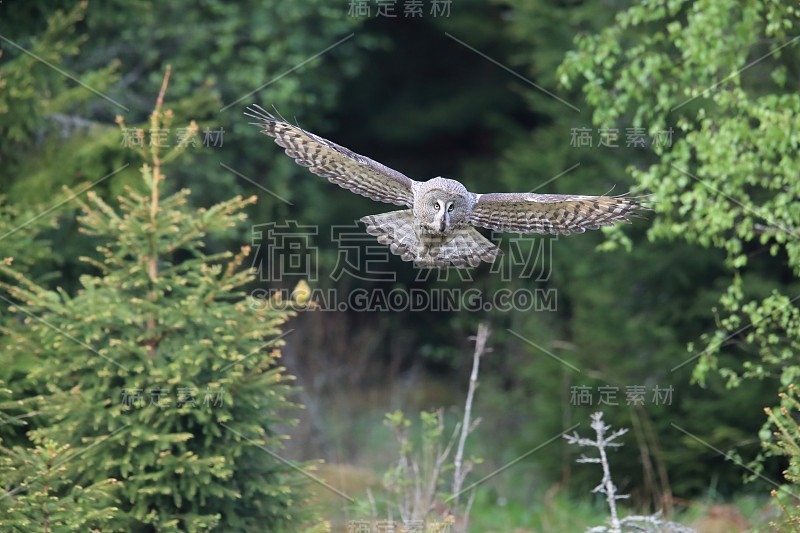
{"x": 438, "y": 231}
{"x": 461, "y": 248}
{"x": 551, "y": 213}
{"x": 339, "y": 165}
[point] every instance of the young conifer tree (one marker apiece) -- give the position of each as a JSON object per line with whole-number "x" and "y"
{"x": 157, "y": 373}
{"x": 44, "y": 498}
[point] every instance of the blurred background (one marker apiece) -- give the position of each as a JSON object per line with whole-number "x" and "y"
{"x": 511, "y": 95}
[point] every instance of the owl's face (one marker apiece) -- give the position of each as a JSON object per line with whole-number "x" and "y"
{"x": 443, "y": 206}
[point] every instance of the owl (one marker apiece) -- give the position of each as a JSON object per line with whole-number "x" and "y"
{"x": 437, "y": 230}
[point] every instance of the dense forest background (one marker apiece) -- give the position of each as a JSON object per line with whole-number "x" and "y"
{"x": 693, "y": 309}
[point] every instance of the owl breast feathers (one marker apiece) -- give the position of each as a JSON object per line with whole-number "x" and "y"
{"x": 438, "y": 227}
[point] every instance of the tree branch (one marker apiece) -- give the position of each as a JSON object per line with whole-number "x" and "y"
{"x": 480, "y": 348}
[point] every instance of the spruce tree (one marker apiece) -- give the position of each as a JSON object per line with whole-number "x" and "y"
{"x": 44, "y": 497}
{"x": 157, "y": 372}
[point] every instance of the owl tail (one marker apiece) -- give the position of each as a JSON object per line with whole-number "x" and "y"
{"x": 464, "y": 247}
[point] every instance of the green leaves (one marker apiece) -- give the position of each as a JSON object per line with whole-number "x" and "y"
{"x": 716, "y": 72}
{"x": 153, "y": 371}
{"x": 729, "y": 181}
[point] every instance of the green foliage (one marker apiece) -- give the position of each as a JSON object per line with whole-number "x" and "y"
{"x": 23, "y": 246}
{"x": 116, "y": 65}
{"x": 425, "y": 105}
{"x": 157, "y": 372}
{"x": 45, "y": 497}
{"x": 38, "y": 489}
{"x": 18, "y": 228}
{"x": 33, "y": 88}
{"x": 626, "y": 319}
{"x": 544, "y": 512}
{"x": 723, "y": 77}
{"x": 622, "y": 318}
{"x": 417, "y": 486}
{"x": 14, "y": 412}
{"x": 786, "y": 443}
{"x": 401, "y": 480}
{"x": 41, "y": 106}
{"x": 729, "y": 181}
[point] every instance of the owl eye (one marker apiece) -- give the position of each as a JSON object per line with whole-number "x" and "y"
{"x": 450, "y": 209}
{"x": 437, "y": 206}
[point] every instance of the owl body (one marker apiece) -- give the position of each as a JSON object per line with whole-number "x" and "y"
{"x": 438, "y": 227}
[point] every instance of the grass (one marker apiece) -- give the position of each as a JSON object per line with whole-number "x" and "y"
{"x": 569, "y": 513}
{"x": 547, "y": 514}
{"x": 542, "y": 512}
{"x": 360, "y": 448}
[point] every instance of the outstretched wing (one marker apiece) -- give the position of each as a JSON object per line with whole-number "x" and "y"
{"x": 551, "y": 213}
{"x": 341, "y": 166}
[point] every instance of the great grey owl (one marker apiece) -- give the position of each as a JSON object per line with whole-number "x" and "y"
{"x": 437, "y": 230}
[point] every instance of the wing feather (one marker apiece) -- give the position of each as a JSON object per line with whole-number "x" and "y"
{"x": 339, "y": 165}
{"x": 551, "y": 213}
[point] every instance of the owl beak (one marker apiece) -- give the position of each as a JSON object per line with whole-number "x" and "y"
{"x": 440, "y": 220}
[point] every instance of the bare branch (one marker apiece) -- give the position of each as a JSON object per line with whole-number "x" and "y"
{"x": 607, "y": 487}
{"x": 480, "y": 348}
